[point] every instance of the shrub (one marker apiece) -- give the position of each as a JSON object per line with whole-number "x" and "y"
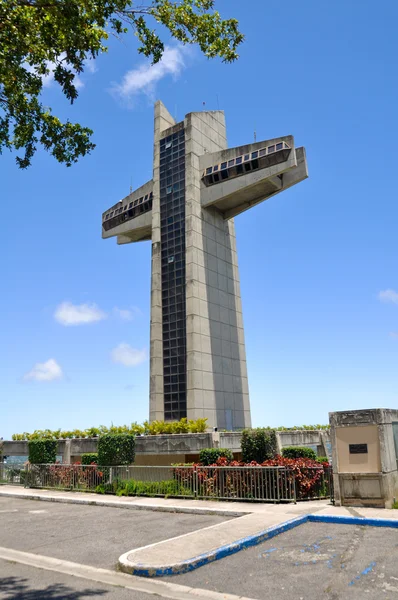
{"x": 137, "y": 429}
{"x": 61, "y": 476}
{"x": 322, "y": 459}
{"x": 308, "y": 475}
{"x": 209, "y": 456}
{"x": 258, "y": 445}
{"x": 151, "y": 488}
{"x": 198, "y": 426}
{"x": 42, "y": 451}
{"x": 304, "y": 428}
{"x": 154, "y": 428}
{"x": 298, "y": 452}
{"x": 89, "y": 458}
{"x": 132, "y": 487}
{"x": 116, "y": 449}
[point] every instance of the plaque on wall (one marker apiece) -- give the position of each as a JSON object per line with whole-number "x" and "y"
{"x": 358, "y": 448}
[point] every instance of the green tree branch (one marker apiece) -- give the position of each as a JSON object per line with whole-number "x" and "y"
{"x": 39, "y": 37}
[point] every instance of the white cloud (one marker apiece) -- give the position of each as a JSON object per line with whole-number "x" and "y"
{"x": 78, "y": 314}
{"x": 79, "y": 84}
{"x": 47, "y": 371}
{"x": 48, "y": 79}
{"x": 90, "y": 66}
{"x": 388, "y": 296}
{"x": 394, "y": 334}
{"x": 127, "y": 314}
{"x": 128, "y": 356}
{"x": 144, "y": 78}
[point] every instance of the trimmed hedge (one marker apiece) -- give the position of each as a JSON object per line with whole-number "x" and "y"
{"x": 88, "y": 458}
{"x": 258, "y": 445}
{"x": 42, "y": 451}
{"x": 209, "y": 456}
{"x": 118, "y": 449}
{"x": 298, "y": 452}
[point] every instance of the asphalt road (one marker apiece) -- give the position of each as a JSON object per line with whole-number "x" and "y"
{"x": 90, "y": 535}
{"x": 312, "y": 561}
{"x": 20, "y": 582}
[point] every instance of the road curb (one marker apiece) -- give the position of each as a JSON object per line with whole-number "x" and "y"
{"x": 126, "y": 505}
{"x": 142, "y": 570}
{"x": 363, "y": 521}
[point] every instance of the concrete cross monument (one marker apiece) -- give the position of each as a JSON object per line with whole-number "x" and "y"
{"x": 187, "y": 210}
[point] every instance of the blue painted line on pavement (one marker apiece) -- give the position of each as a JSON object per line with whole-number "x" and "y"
{"x": 342, "y": 520}
{"x": 366, "y": 571}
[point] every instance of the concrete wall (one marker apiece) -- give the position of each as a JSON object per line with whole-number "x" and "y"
{"x": 168, "y": 449}
{"x": 163, "y": 120}
{"x": 358, "y": 463}
{"x": 216, "y": 358}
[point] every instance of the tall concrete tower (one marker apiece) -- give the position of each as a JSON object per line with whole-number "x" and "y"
{"x": 197, "y": 350}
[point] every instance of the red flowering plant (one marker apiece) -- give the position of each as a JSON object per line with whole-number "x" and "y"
{"x": 307, "y": 473}
{"x": 251, "y": 481}
{"x": 76, "y": 476}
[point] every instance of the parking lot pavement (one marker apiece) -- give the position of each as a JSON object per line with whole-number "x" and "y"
{"x": 90, "y": 535}
{"x": 312, "y": 561}
{"x": 20, "y": 582}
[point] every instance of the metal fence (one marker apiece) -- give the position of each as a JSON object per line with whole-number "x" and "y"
{"x": 12, "y": 474}
{"x": 261, "y": 484}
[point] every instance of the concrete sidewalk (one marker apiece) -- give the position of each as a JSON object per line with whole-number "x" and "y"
{"x": 190, "y": 550}
{"x": 193, "y": 550}
{"x": 213, "y": 507}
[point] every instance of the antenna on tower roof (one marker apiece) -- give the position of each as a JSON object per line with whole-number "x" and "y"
{"x": 131, "y": 184}
{"x": 218, "y": 104}
{"x": 255, "y": 133}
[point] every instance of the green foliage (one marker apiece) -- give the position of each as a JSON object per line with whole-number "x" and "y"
{"x": 209, "y": 456}
{"x": 154, "y": 428}
{"x": 42, "y": 451}
{"x": 198, "y": 426}
{"x": 395, "y": 505}
{"x": 116, "y": 449}
{"x": 322, "y": 459}
{"x": 137, "y": 429}
{"x": 258, "y": 445}
{"x": 298, "y": 452}
{"x": 131, "y": 487}
{"x": 39, "y": 37}
{"x": 166, "y": 488}
{"x": 304, "y": 428}
{"x": 173, "y": 427}
{"x": 89, "y": 458}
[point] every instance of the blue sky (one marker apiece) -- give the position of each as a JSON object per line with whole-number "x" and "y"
{"x": 318, "y": 264}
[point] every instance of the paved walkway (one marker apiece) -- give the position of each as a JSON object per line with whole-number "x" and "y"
{"x": 254, "y": 519}
{"x": 233, "y": 509}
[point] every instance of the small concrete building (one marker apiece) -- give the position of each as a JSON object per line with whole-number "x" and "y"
{"x": 197, "y": 347}
{"x": 365, "y": 457}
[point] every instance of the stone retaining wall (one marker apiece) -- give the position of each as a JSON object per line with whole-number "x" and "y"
{"x": 185, "y": 447}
